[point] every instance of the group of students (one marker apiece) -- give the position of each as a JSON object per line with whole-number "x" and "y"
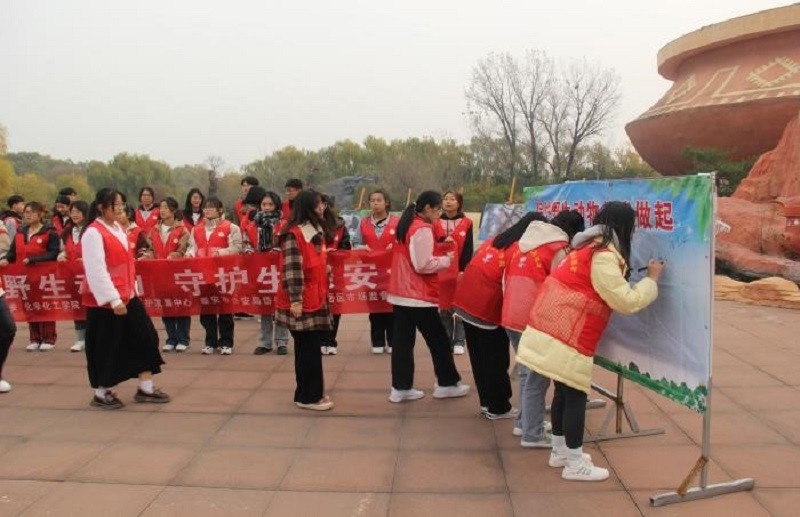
{"x": 546, "y": 287}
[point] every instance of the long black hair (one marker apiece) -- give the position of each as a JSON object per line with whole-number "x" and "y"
{"x": 83, "y": 208}
{"x": 303, "y": 211}
{"x": 571, "y": 221}
{"x": 429, "y": 198}
{"x": 617, "y": 218}
{"x": 187, "y": 211}
{"x": 514, "y": 233}
{"x": 104, "y": 198}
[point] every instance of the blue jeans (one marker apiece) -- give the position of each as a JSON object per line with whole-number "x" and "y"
{"x": 281, "y": 333}
{"x": 532, "y": 391}
{"x": 177, "y": 330}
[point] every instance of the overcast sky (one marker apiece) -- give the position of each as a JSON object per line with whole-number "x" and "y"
{"x": 183, "y": 79}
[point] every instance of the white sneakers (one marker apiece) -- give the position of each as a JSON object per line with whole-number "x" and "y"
{"x": 449, "y": 392}
{"x": 33, "y": 347}
{"x": 545, "y": 442}
{"x": 577, "y": 464}
{"x": 511, "y": 413}
{"x": 168, "y": 348}
{"x": 78, "y": 346}
{"x": 46, "y": 347}
{"x": 458, "y": 350}
{"x": 377, "y": 350}
{"x": 207, "y": 350}
{"x": 181, "y": 347}
{"x": 398, "y": 396}
{"x": 5, "y": 386}
{"x": 225, "y": 350}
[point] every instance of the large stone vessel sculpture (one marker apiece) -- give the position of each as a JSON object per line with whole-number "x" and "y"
{"x": 736, "y": 86}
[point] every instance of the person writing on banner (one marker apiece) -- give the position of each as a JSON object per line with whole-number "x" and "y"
{"x": 71, "y": 252}
{"x": 260, "y": 232}
{"x": 121, "y": 341}
{"x": 146, "y": 216}
{"x": 540, "y": 249}
{"x": 215, "y": 238}
{"x": 193, "y": 209}
{"x": 478, "y": 303}
{"x": 378, "y": 234}
{"x": 569, "y": 315}
{"x": 169, "y": 240}
{"x": 414, "y": 295}
{"x": 36, "y": 242}
{"x": 302, "y": 299}
{"x": 454, "y": 226}
{"x": 336, "y": 238}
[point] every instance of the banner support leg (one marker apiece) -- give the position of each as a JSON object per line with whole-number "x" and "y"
{"x": 619, "y": 410}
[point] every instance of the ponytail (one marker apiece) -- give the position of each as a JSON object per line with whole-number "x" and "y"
{"x": 428, "y": 198}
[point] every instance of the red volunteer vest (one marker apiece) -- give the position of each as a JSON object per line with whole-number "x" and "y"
{"x": 37, "y": 245}
{"x": 161, "y": 250}
{"x": 458, "y": 230}
{"x": 121, "y": 267}
{"x": 217, "y": 241}
{"x": 252, "y": 232}
{"x": 133, "y": 237}
{"x": 239, "y": 212}
{"x": 58, "y": 224}
{"x": 523, "y": 278}
{"x": 187, "y": 222}
{"x": 146, "y": 224}
{"x": 337, "y": 238}
{"x": 568, "y": 308}
{"x": 286, "y": 210}
{"x": 315, "y": 276}
{"x": 72, "y": 248}
{"x": 480, "y": 290}
{"x": 404, "y": 280}
{"x": 387, "y": 238}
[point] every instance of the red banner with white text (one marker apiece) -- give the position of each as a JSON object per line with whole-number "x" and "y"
{"x": 218, "y": 285}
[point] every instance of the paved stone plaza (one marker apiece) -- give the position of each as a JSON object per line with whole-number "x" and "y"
{"x": 233, "y": 443}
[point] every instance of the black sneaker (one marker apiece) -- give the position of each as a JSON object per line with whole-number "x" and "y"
{"x": 260, "y": 350}
{"x": 283, "y": 350}
{"x": 110, "y": 401}
{"x": 157, "y": 397}
{"x": 243, "y": 316}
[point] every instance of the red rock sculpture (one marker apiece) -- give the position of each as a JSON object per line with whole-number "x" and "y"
{"x": 736, "y": 86}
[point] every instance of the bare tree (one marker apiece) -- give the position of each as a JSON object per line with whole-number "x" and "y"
{"x": 215, "y": 164}
{"x": 591, "y": 96}
{"x": 557, "y": 109}
{"x": 491, "y": 92}
{"x": 531, "y": 84}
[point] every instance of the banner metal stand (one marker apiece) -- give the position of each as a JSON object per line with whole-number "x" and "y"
{"x": 617, "y": 411}
{"x": 705, "y": 491}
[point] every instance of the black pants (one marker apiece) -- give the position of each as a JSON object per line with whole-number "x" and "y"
{"x": 219, "y": 329}
{"x": 488, "y": 355}
{"x": 568, "y": 412}
{"x": 381, "y": 329}
{"x": 308, "y": 365}
{"x": 8, "y": 329}
{"x": 330, "y": 337}
{"x": 406, "y": 322}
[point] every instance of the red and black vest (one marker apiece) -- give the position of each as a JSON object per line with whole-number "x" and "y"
{"x": 480, "y": 289}
{"x": 36, "y": 245}
{"x": 218, "y": 239}
{"x": 146, "y": 224}
{"x": 568, "y": 308}
{"x": 161, "y": 249}
{"x": 120, "y": 264}
{"x": 315, "y": 276}
{"x": 370, "y": 238}
{"x": 404, "y": 281}
{"x": 60, "y": 225}
{"x": 524, "y": 276}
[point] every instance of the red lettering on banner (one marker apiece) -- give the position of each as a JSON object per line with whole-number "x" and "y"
{"x": 663, "y": 210}
{"x": 643, "y": 214}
